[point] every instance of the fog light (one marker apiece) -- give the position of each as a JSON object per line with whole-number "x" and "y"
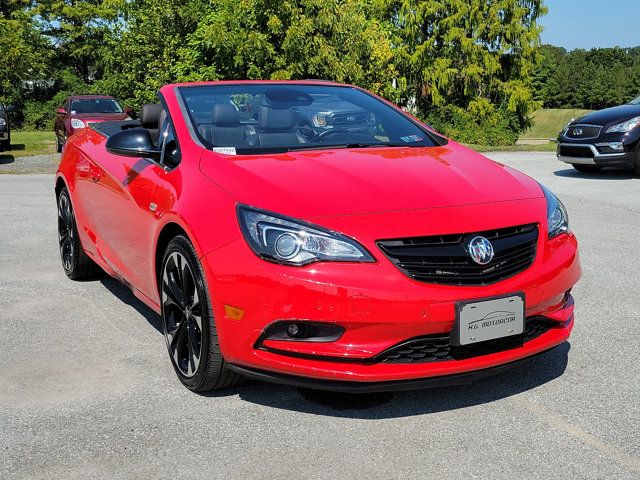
{"x": 616, "y": 146}
{"x": 301, "y": 331}
{"x": 293, "y": 330}
{"x": 610, "y": 147}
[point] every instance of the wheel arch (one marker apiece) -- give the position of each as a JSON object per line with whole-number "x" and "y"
{"x": 60, "y": 184}
{"x": 168, "y": 232}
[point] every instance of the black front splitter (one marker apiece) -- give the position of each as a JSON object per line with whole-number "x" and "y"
{"x": 389, "y": 386}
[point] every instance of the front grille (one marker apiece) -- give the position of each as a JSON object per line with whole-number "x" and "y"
{"x": 437, "y": 348}
{"x": 572, "y": 151}
{"x": 583, "y": 131}
{"x": 443, "y": 259}
{"x": 350, "y": 118}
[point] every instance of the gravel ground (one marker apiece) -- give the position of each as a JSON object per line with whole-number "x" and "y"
{"x": 87, "y": 390}
{"x": 35, "y": 164}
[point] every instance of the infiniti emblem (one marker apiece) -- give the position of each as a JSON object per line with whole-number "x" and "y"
{"x": 480, "y": 250}
{"x": 351, "y": 118}
{"x": 577, "y": 132}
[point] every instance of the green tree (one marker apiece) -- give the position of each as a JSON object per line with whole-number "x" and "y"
{"x": 24, "y": 51}
{"x": 343, "y": 40}
{"x": 469, "y": 59}
{"x": 78, "y": 31}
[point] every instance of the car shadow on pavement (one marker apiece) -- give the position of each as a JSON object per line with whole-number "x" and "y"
{"x": 543, "y": 369}
{"x": 125, "y": 295}
{"x": 539, "y": 371}
{"x": 6, "y": 159}
{"x": 612, "y": 174}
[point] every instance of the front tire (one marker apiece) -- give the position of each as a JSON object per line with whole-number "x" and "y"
{"x": 189, "y": 326}
{"x": 587, "y": 168}
{"x": 75, "y": 262}
{"x": 6, "y": 145}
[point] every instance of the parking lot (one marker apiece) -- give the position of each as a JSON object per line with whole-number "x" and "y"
{"x": 87, "y": 389}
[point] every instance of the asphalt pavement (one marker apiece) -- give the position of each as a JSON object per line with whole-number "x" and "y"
{"x": 87, "y": 390}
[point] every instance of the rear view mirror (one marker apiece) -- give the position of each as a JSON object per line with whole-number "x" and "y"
{"x": 135, "y": 142}
{"x": 61, "y": 111}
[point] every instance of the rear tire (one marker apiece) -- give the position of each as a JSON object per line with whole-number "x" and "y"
{"x": 189, "y": 326}
{"x": 636, "y": 167}
{"x": 75, "y": 262}
{"x": 587, "y": 168}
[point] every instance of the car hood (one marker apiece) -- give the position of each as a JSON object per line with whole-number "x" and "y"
{"x": 608, "y": 116}
{"x": 308, "y": 184}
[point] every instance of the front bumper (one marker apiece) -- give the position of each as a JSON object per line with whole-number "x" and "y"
{"x": 347, "y": 386}
{"x": 378, "y": 305}
{"x": 596, "y": 151}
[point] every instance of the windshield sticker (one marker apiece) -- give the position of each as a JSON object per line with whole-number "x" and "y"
{"x": 411, "y": 138}
{"x": 225, "y": 150}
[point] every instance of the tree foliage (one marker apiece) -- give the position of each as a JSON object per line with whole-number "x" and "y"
{"x": 593, "y": 79}
{"x": 206, "y": 40}
{"x": 465, "y": 65}
{"x": 470, "y": 62}
{"x": 24, "y": 53}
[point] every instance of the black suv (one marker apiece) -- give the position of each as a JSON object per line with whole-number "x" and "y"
{"x": 606, "y": 138}
{"x": 5, "y": 131}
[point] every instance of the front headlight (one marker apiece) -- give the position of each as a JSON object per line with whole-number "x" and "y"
{"x": 557, "y": 218}
{"x": 77, "y": 123}
{"x": 294, "y": 242}
{"x": 3, "y": 121}
{"x": 625, "y": 126}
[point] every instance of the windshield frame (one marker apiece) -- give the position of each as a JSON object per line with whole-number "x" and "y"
{"x": 437, "y": 139}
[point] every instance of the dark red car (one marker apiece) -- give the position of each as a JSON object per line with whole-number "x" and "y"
{"x": 371, "y": 255}
{"x": 78, "y": 111}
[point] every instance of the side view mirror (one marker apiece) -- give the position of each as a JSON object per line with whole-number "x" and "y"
{"x": 135, "y": 142}
{"x": 10, "y": 108}
{"x": 129, "y": 111}
{"x": 61, "y": 111}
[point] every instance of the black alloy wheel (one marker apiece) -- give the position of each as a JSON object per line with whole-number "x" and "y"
{"x": 75, "y": 262}
{"x": 182, "y": 315}
{"x": 189, "y": 327}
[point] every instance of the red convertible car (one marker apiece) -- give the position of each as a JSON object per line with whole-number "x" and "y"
{"x": 349, "y": 247}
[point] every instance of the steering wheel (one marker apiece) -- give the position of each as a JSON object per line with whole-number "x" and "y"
{"x": 327, "y": 133}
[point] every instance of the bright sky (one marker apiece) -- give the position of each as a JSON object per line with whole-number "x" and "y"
{"x": 592, "y": 23}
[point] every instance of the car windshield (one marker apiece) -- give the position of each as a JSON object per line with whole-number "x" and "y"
{"x": 635, "y": 101}
{"x": 268, "y": 117}
{"x": 95, "y": 105}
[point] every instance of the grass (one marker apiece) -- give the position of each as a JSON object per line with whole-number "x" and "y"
{"x": 25, "y": 144}
{"x": 547, "y": 122}
{"x": 547, "y": 147}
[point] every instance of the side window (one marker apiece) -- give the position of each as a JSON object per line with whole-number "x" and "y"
{"x": 171, "y": 155}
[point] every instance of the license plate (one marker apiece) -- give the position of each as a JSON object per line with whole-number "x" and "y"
{"x": 482, "y": 320}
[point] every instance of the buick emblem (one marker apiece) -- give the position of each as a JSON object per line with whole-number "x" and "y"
{"x": 577, "y": 132}
{"x": 480, "y": 250}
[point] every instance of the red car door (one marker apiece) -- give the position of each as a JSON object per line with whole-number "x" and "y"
{"x": 126, "y": 215}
